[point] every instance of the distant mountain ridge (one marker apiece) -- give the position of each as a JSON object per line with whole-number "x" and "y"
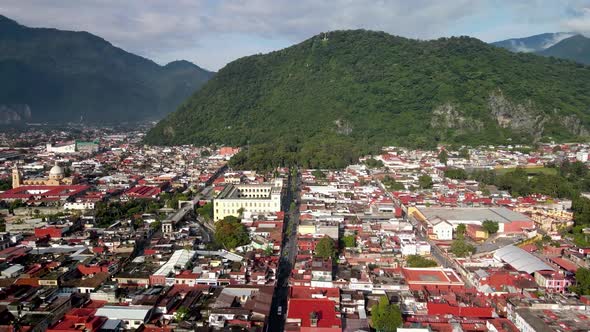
{"x": 534, "y": 43}
{"x": 50, "y": 75}
{"x": 563, "y": 45}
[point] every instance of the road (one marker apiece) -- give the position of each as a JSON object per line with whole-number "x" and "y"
{"x": 276, "y": 322}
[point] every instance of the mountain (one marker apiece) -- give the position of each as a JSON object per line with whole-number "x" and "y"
{"x": 336, "y": 95}
{"x": 49, "y": 75}
{"x": 534, "y": 43}
{"x": 576, "y": 48}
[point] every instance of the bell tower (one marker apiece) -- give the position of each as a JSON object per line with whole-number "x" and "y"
{"x": 15, "y": 177}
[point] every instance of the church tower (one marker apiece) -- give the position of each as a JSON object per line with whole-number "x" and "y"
{"x": 15, "y": 177}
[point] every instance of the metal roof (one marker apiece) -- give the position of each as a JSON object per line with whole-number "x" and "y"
{"x": 124, "y": 313}
{"x": 520, "y": 259}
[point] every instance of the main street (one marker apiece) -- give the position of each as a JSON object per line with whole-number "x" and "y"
{"x": 276, "y": 321}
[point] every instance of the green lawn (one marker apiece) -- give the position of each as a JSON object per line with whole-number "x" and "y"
{"x": 530, "y": 171}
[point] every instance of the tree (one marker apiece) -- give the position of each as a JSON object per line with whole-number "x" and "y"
{"x": 443, "y": 156}
{"x": 205, "y": 153}
{"x": 230, "y": 233}
{"x": 268, "y": 251}
{"x": 325, "y": 248}
{"x": 373, "y": 163}
{"x": 349, "y": 241}
{"x": 582, "y": 286}
{"x": 425, "y": 181}
{"x": 386, "y": 317}
{"x": 318, "y": 174}
{"x": 456, "y": 173}
{"x": 490, "y": 226}
{"x": 391, "y": 184}
{"x": 460, "y": 231}
{"x": 206, "y": 211}
{"x": 181, "y": 313}
{"x": 419, "y": 261}
{"x": 464, "y": 153}
{"x": 460, "y": 248}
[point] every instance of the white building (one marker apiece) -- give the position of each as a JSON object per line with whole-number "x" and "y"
{"x": 79, "y": 205}
{"x": 443, "y": 229}
{"x": 69, "y": 147}
{"x": 582, "y": 156}
{"x": 131, "y": 317}
{"x": 255, "y": 198}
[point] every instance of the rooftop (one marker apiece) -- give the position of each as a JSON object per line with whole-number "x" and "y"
{"x": 498, "y": 214}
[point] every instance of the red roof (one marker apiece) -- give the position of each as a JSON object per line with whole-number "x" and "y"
{"x": 324, "y": 308}
{"x": 43, "y": 192}
{"x": 304, "y": 292}
{"x": 565, "y": 264}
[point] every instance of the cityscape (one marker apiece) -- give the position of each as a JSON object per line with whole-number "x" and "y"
{"x": 103, "y": 232}
{"x": 299, "y": 166}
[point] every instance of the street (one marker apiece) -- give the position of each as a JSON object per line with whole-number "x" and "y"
{"x": 276, "y": 322}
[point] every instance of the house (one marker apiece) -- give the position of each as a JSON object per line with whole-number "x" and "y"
{"x": 442, "y": 229}
{"x": 313, "y": 315}
{"x": 131, "y": 317}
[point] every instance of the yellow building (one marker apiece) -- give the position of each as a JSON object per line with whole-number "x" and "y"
{"x": 56, "y": 178}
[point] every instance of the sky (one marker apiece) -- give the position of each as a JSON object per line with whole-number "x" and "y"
{"x": 211, "y": 33}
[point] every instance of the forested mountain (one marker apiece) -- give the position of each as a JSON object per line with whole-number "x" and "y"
{"x": 576, "y": 48}
{"x": 56, "y": 76}
{"x": 338, "y": 94}
{"x": 563, "y": 45}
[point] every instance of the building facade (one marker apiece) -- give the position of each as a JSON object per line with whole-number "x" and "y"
{"x": 254, "y": 198}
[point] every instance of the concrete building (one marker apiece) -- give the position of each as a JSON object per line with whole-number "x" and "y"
{"x": 509, "y": 221}
{"x": 254, "y": 198}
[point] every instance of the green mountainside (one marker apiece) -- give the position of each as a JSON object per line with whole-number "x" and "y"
{"x": 326, "y": 100}
{"x": 56, "y": 76}
{"x": 576, "y": 48}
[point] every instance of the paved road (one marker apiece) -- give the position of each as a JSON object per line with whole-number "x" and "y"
{"x": 276, "y": 322}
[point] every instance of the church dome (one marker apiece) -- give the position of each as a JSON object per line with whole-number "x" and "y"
{"x": 56, "y": 172}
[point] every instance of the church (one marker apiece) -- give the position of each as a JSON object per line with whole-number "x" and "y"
{"x": 56, "y": 178}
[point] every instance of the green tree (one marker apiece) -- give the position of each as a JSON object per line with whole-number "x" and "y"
{"x": 391, "y": 184}
{"x": 373, "y": 163}
{"x": 386, "y": 317}
{"x": 490, "y": 226}
{"x": 443, "y": 156}
{"x": 460, "y": 248}
{"x": 181, "y": 313}
{"x": 230, "y": 233}
{"x": 268, "y": 251}
{"x": 456, "y": 173}
{"x": 419, "y": 261}
{"x": 460, "y": 231}
{"x": 318, "y": 174}
{"x": 349, "y": 241}
{"x": 325, "y": 248}
{"x": 206, "y": 211}
{"x": 464, "y": 153}
{"x": 425, "y": 181}
{"x": 582, "y": 286}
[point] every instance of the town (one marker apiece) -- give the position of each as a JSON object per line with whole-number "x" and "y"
{"x": 100, "y": 232}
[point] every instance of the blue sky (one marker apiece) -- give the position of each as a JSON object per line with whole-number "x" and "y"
{"x": 212, "y": 33}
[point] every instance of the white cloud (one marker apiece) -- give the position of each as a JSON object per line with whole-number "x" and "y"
{"x": 580, "y": 22}
{"x": 162, "y": 29}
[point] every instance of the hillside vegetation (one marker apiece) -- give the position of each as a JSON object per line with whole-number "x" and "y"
{"x": 49, "y": 75}
{"x": 576, "y": 48}
{"x": 326, "y": 100}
